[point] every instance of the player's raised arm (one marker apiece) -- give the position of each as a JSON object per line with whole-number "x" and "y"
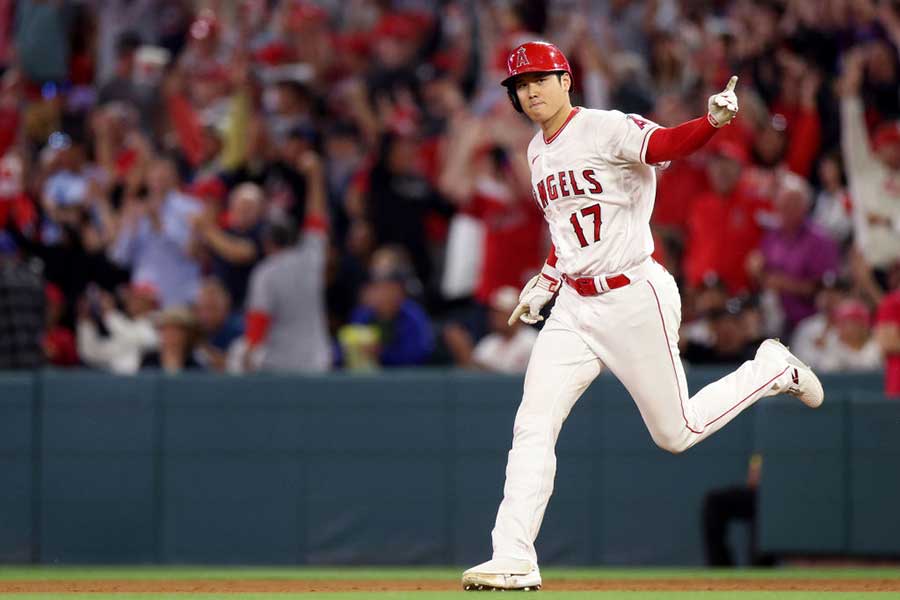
{"x": 670, "y": 143}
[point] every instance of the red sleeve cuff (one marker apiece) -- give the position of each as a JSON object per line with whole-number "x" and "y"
{"x": 316, "y": 223}
{"x": 257, "y": 327}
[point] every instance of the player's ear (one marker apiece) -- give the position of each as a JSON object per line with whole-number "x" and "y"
{"x": 566, "y": 81}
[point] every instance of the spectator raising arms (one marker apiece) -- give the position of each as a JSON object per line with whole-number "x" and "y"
{"x": 286, "y": 320}
{"x": 236, "y": 247}
{"x": 155, "y": 234}
{"x": 725, "y": 224}
{"x": 488, "y": 180}
{"x": 873, "y": 167}
{"x": 160, "y": 142}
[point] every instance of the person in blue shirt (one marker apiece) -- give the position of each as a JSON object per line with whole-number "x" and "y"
{"x": 155, "y": 235}
{"x": 404, "y": 331}
{"x": 219, "y": 326}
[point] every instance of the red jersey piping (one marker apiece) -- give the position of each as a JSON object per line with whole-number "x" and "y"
{"x": 563, "y": 126}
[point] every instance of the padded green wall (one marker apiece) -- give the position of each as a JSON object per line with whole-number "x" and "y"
{"x": 408, "y": 467}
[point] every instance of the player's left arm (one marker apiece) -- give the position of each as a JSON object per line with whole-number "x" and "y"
{"x": 670, "y": 143}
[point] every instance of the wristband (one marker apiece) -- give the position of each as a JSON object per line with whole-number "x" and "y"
{"x": 549, "y": 278}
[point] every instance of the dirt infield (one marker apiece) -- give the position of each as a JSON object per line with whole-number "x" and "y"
{"x": 226, "y": 586}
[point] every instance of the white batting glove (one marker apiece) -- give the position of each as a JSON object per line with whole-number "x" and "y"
{"x": 536, "y": 293}
{"x": 724, "y": 105}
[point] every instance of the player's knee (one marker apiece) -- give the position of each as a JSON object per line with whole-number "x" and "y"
{"x": 674, "y": 441}
{"x": 674, "y": 447}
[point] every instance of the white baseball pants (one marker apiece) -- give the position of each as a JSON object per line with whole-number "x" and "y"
{"x": 633, "y": 331}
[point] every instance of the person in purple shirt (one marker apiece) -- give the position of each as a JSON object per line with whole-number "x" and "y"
{"x": 795, "y": 256}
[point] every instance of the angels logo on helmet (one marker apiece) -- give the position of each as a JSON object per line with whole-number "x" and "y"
{"x": 521, "y": 57}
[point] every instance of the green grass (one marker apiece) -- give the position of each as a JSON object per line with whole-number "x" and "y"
{"x": 45, "y": 573}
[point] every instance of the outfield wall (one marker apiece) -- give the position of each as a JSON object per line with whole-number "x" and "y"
{"x": 407, "y": 467}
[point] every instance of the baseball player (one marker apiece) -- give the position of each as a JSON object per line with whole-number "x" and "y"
{"x": 593, "y": 177}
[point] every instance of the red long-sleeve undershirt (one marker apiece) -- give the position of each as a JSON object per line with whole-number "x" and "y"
{"x": 551, "y": 256}
{"x": 671, "y": 143}
{"x": 805, "y": 141}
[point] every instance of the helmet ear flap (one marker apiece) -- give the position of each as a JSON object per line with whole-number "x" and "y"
{"x": 514, "y": 98}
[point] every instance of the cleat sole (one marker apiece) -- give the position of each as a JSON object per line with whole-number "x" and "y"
{"x": 489, "y": 588}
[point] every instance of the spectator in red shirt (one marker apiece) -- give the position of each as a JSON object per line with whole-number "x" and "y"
{"x": 488, "y": 179}
{"x": 677, "y": 186}
{"x": 681, "y": 182}
{"x": 10, "y": 111}
{"x": 16, "y": 208}
{"x": 723, "y": 226}
{"x": 59, "y": 340}
{"x": 792, "y": 136}
{"x": 887, "y": 332}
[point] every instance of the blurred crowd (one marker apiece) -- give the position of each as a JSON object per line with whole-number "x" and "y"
{"x": 290, "y": 185}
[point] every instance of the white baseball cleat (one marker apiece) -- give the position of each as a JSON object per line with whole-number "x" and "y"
{"x": 502, "y": 574}
{"x": 804, "y": 383}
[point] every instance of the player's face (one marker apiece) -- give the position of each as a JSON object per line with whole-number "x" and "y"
{"x": 542, "y": 95}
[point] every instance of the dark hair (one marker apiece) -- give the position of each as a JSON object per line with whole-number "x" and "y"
{"x": 281, "y": 232}
{"x": 297, "y": 88}
{"x": 127, "y": 42}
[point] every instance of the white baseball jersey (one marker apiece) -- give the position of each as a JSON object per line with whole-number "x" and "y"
{"x": 596, "y": 191}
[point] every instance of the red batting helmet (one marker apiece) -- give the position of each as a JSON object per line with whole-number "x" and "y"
{"x": 533, "y": 57}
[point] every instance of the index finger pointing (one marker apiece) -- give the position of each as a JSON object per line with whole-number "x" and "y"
{"x": 731, "y": 83}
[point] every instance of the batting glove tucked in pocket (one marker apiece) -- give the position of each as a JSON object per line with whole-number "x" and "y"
{"x": 536, "y": 293}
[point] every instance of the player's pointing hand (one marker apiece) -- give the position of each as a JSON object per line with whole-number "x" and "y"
{"x": 724, "y": 105}
{"x": 731, "y": 83}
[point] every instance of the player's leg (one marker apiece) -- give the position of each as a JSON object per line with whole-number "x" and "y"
{"x": 646, "y": 360}
{"x": 560, "y": 368}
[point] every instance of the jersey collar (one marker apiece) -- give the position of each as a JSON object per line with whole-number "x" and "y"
{"x": 563, "y": 126}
